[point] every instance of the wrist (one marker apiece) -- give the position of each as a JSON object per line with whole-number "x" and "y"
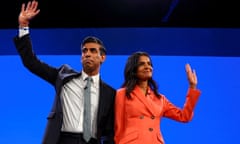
{"x": 192, "y": 86}
{"x": 23, "y": 23}
{"x": 24, "y": 27}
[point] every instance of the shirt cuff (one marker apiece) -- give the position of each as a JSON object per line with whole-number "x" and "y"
{"x": 23, "y": 31}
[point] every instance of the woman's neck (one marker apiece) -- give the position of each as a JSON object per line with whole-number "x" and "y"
{"x": 143, "y": 86}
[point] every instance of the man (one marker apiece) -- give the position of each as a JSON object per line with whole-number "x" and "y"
{"x": 66, "y": 121}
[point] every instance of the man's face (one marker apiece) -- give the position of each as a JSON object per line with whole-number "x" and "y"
{"x": 92, "y": 58}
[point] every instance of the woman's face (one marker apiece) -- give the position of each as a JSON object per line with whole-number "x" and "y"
{"x": 144, "y": 70}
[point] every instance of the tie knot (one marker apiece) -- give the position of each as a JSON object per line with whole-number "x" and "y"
{"x": 89, "y": 79}
{"x": 88, "y": 82}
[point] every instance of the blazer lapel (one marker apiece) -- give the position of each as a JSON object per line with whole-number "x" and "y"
{"x": 139, "y": 94}
{"x": 102, "y": 102}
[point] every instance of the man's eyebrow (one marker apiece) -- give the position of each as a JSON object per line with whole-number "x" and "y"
{"x": 89, "y": 48}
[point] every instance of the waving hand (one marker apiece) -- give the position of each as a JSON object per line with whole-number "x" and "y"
{"x": 27, "y": 13}
{"x": 191, "y": 76}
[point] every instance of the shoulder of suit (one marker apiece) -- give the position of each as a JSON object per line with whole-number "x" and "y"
{"x": 106, "y": 85}
{"x": 65, "y": 68}
{"x": 121, "y": 90}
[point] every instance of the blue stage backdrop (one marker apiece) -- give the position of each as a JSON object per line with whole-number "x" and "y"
{"x": 27, "y": 99}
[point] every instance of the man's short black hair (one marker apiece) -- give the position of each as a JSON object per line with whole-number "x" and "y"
{"x": 93, "y": 39}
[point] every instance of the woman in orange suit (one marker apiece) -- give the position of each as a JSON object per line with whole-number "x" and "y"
{"x": 139, "y": 106}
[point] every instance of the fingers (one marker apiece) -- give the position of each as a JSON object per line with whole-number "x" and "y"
{"x": 189, "y": 72}
{"x": 31, "y": 6}
{"x": 195, "y": 76}
{"x": 23, "y": 7}
{"x": 191, "y": 75}
{"x": 34, "y": 5}
{"x": 188, "y": 68}
{"x": 28, "y": 5}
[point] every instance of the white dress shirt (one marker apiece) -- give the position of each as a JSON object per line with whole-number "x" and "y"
{"x": 72, "y": 103}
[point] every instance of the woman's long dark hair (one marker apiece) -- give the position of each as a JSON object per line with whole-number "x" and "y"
{"x": 130, "y": 74}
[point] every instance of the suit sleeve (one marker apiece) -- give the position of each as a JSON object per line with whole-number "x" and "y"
{"x": 31, "y": 62}
{"x": 110, "y": 120}
{"x": 186, "y": 113}
{"x": 119, "y": 116}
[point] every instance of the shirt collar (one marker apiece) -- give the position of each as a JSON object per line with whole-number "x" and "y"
{"x": 95, "y": 78}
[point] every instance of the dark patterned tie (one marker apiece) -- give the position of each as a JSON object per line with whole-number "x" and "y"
{"x": 87, "y": 111}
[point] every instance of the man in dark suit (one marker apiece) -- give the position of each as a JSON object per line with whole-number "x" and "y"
{"x": 66, "y": 119}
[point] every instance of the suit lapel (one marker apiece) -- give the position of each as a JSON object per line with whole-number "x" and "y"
{"x": 139, "y": 94}
{"x": 102, "y": 102}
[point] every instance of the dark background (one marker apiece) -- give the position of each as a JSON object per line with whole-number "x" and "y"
{"x": 126, "y": 13}
{"x": 212, "y": 26}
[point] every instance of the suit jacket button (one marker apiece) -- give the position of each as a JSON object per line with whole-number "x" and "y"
{"x": 153, "y": 117}
{"x": 150, "y": 129}
{"x": 141, "y": 117}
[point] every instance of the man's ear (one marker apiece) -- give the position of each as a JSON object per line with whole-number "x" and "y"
{"x": 103, "y": 58}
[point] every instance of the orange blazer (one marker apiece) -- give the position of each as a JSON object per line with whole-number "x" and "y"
{"x": 138, "y": 120}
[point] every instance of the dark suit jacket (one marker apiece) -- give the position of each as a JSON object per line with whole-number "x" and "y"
{"x": 58, "y": 77}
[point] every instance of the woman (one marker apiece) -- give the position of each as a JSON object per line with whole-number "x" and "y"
{"x": 139, "y": 106}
